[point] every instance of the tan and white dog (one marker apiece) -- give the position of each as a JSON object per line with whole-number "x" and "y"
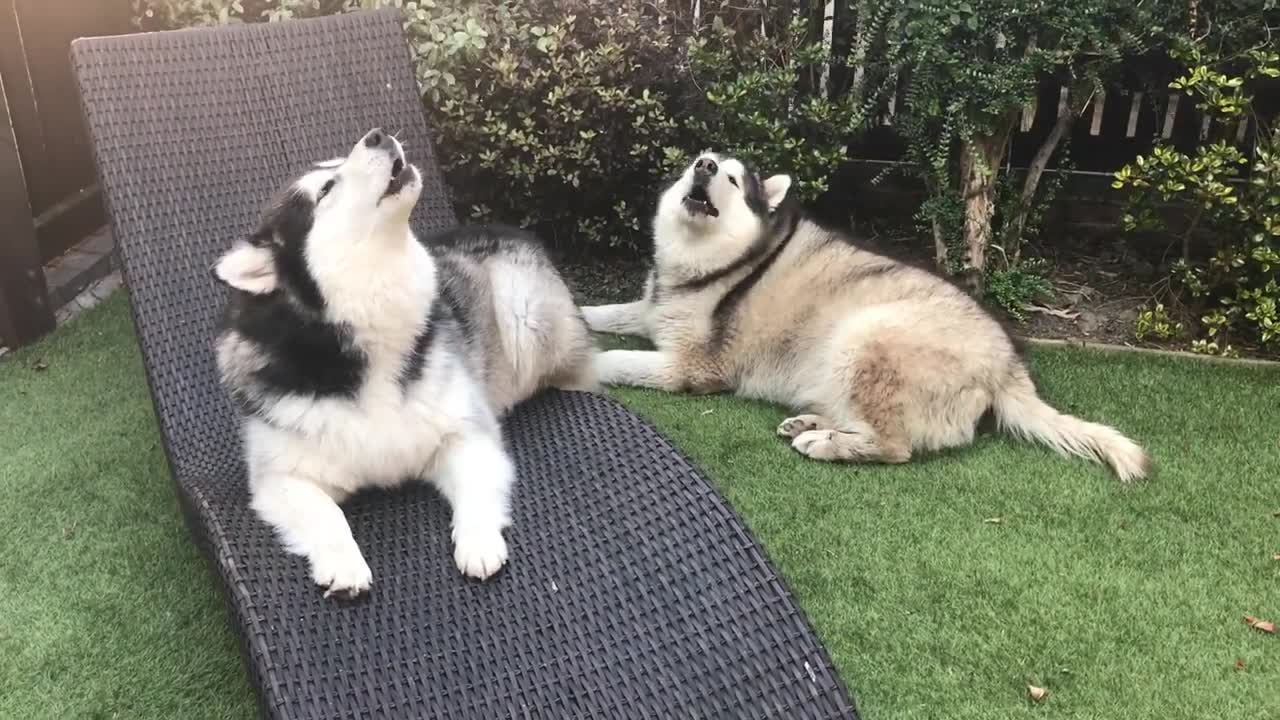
{"x": 885, "y": 360}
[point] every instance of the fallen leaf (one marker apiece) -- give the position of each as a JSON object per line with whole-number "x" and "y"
{"x": 707, "y": 412}
{"x": 39, "y": 365}
{"x": 1276, "y": 557}
{"x": 1064, "y": 314}
{"x": 1037, "y": 693}
{"x": 1239, "y": 665}
{"x": 1260, "y": 624}
{"x": 994, "y": 520}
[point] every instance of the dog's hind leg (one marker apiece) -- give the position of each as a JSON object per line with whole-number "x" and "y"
{"x": 310, "y": 523}
{"x": 852, "y": 442}
{"x": 866, "y": 401}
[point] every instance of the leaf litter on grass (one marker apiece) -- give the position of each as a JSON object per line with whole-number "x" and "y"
{"x": 1260, "y": 625}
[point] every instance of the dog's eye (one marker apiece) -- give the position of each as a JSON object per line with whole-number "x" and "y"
{"x": 325, "y": 190}
{"x": 734, "y": 180}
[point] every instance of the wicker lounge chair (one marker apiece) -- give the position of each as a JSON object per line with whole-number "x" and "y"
{"x": 633, "y": 590}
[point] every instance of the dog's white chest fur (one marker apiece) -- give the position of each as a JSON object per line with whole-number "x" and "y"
{"x": 390, "y": 431}
{"x": 383, "y": 437}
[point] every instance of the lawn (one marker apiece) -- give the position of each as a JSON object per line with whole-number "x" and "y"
{"x": 942, "y": 588}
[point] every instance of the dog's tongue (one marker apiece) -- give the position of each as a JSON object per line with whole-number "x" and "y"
{"x": 400, "y": 177}
{"x": 700, "y": 206}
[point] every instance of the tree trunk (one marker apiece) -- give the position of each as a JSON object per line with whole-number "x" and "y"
{"x": 939, "y": 245}
{"x": 939, "y": 239}
{"x": 1018, "y": 224}
{"x": 980, "y": 159}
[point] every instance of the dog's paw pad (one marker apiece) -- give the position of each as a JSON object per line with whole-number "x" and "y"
{"x": 819, "y": 445}
{"x": 343, "y": 572}
{"x": 791, "y": 427}
{"x": 480, "y": 554}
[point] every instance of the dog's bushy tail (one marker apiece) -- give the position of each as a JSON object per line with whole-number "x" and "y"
{"x": 1020, "y": 411}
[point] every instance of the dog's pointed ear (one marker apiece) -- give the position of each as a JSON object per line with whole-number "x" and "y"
{"x": 775, "y": 190}
{"x": 247, "y": 267}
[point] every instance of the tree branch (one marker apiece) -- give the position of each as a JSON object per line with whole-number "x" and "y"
{"x": 1013, "y": 231}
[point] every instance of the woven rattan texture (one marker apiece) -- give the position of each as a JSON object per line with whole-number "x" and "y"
{"x": 633, "y": 591}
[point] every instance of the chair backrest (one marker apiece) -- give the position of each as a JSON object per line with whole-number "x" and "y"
{"x": 193, "y": 130}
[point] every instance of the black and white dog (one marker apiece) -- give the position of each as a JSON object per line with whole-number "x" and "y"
{"x": 359, "y": 357}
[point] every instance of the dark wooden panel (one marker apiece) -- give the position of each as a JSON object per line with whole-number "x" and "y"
{"x": 24, "y": 302}
{"x": 19, "y": 92}
{"x": 47, "y": 28}
{"x": 35, "y": 40}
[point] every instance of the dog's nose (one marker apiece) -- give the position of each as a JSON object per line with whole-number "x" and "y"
{"x": 705, "y": 167}
{"x": 378, "y": 140}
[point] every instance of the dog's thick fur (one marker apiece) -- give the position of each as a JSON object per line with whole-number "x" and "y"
{"x": 359, "y": 356}
{"x": 748, "y": 295}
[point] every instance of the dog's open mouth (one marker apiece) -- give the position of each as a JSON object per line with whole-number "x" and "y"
{"x": 698, "y": 202}
{"x": 400, "y": 175}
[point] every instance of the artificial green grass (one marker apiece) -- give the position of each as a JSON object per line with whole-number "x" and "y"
{"x": 107, "y": 609}
{"x": 1125, "y": 602}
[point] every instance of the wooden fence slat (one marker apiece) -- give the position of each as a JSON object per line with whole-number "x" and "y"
{"x": 828, "y": 21}
{"x": 859, "y": 60}
{"x": 1099, "y": 103}
{"x": 1170, "y": 113}
{"x": 1028, "y": 110}
{"x": 1135, "y": 106}
{"x": 1029, "y": 115}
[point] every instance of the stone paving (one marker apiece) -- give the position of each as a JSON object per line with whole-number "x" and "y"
{"x": 86, "y": 262}
{"x": 96, "y": 292}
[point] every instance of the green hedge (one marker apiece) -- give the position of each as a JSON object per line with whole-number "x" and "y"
{"x": 567, "y": 116}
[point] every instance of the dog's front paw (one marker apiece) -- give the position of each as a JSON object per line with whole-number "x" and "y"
{"x": 595, "y": 318}
{"x": 341, "y": 570}
{"x": 479, "y": 553}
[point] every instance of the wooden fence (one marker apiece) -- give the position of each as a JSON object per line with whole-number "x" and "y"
{"x": 49, "y": 199}
{"x": 1116, "y": 125}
